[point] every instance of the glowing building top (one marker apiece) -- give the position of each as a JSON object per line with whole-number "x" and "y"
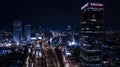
{"x": 92, "y": 5}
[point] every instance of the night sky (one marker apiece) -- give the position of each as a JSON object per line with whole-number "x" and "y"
{"x": 53, "y": 13}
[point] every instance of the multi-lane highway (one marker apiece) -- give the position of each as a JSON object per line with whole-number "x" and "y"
{"x": 47, "y": 56}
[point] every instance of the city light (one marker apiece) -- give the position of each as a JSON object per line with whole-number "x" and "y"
{"x": 17, "y": 43}
{"x": 33, "y": 38}
{"x": 8, "y": 44}
{"x": 51, "y": 40}
{"x": 96, "y": 4}
{"x": 48, "y": 37}
{"x": 39, "y": 37}
{"x": 92, "y": 4}
{"x": 68, "y": 53}
{"x": 84, "y": 6}
{"x": 73, "y": 42}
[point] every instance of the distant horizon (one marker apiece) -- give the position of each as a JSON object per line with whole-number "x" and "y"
{"x": 56, "y": 27}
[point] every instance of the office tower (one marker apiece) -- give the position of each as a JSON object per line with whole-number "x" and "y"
{"x": 17, "y": 31}
{"x": 92, "y": 19}
{"x": 27, "y": 32}
{"x": 92, "y": 28}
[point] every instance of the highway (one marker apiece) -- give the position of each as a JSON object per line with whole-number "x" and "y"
{"x": 48, "y": 58}
{"x": 51, "y": 58}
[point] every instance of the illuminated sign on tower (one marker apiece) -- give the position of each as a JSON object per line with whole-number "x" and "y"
{"x": 92, "y": 5}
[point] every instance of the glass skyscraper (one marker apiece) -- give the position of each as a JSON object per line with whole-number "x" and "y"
{"x": 91, "y": 29}
{"x": 92, "y": 19}
{"x": 27, "y": 32}
{"x": 17, "y": 31}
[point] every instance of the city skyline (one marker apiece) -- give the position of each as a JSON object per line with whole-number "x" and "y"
{"x": 74, "y": 33}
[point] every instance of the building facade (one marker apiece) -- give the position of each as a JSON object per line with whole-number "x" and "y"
{"x": 27, "y": 32}
{"x": 91, "y": 29}
{"x": 17, "y": 31}
{"x": 91, "y": 53}
{"x": 92, "y": 19}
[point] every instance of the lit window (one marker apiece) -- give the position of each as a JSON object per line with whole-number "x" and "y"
{"x": 83, "y": 22}
{"x": 87, "y": 28}
{"x": 97, "y": 26}
{"x": 82, "y": 28}
{"x": 92, "y": 19}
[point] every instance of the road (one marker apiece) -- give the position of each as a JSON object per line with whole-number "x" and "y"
{"x": 51, "y": 58}
{"x": 48, "y": 58}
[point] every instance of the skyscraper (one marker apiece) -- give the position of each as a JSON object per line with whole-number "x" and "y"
{"x": 92, "y": 28}
{"x": 27, "y": 32}
{"x": 17, "y": 31}
{"x": 92, "y": 19}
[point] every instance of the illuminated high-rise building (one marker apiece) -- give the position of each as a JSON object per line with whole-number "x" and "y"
{"x": 27, "y": 32}
{"x": 92, "y": 19}
{"x": 92, "y": 28}
{"x": 17, "y": 31}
